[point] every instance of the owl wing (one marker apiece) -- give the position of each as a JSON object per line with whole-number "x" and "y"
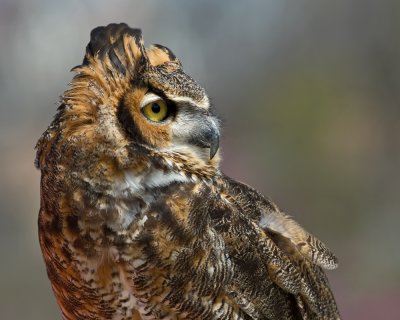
{"x": 211, "y": 252}
{"x": 296, "y": 286}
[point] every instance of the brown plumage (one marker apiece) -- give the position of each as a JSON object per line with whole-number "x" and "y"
{"x": 136, "y": 220}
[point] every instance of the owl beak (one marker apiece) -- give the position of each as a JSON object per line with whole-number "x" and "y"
{"x": 214, "y": 143}
{"x": 207, "y": 136}
{"x": 211, "y": 136}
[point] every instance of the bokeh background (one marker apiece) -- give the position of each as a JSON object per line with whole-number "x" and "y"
{"x": 309, "y": 92}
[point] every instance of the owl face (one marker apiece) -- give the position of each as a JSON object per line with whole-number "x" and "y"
{"x": 167, "y": 110}
{"x": 129, "y": 102}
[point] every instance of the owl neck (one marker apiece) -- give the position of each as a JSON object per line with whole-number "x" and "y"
{"x": 160, "y": 169}
{"x": 119, "y": 201}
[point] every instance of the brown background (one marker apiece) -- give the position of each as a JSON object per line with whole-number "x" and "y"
{"x": 309, "y": 94}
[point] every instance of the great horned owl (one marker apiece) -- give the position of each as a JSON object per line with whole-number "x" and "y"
{"x": 136, "y": 220}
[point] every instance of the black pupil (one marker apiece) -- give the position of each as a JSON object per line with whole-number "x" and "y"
{"x": 155, "y": 107}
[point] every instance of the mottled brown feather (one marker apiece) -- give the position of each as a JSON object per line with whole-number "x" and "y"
{"x": 137, "y": 222}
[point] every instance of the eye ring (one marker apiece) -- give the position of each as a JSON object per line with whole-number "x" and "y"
{"x": 156, "y": 111}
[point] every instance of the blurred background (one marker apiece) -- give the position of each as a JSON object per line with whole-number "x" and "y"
{"x": 309, "y": 92}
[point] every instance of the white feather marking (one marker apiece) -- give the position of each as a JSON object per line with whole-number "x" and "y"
{"x": 127, "y": 217}
{"x": 205, "y": 103}
{"x": 275, "y": 223}
{"x": 142, "y": 221}
{"x": 137, "y": 263}
{"x": 156, "y": 178}
{"x": 265, "y": 221}
{"x": 211, "y": 270}
{"x": 131, "y": 181}
{"x": 159, "y": 179}
{"x": 149, "y": 98}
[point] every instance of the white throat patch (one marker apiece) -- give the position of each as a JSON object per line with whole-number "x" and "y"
{"x": 134, "y": 183}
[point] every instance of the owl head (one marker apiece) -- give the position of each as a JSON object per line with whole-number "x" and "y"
{"x": 129, "y": 104}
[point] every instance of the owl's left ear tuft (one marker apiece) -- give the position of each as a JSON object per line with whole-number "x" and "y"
{"x": 113, "y": 42}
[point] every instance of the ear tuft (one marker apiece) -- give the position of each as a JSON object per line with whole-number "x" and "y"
{"x": 110, "y": 41}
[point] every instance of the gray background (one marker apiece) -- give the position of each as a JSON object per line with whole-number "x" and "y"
{"x": 309, "y": 94}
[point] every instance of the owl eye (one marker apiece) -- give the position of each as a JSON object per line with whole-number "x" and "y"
{"x": 156, "y": 111}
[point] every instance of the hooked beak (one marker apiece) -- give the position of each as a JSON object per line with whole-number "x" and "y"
{"x": 214, "y": 143}
{"x": 208, "y": 137}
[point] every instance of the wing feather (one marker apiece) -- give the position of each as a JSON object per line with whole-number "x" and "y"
{"x": 293, "y": 258}
{"x": 204, "y": 255}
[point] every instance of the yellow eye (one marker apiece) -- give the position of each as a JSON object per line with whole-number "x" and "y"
{"x": 156, "y": 111}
